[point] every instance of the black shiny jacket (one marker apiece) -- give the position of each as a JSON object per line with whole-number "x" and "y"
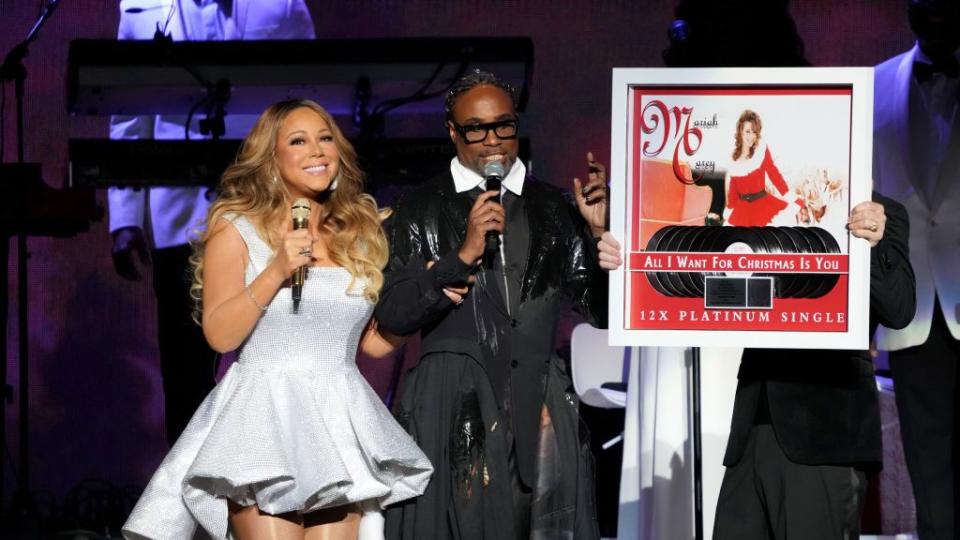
{"x": 429, "y": 224}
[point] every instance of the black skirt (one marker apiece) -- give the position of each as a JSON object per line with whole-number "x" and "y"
{"x": 448, "y": 406}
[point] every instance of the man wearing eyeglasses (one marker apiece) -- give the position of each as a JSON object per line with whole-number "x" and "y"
{"x": 488, "y": 401}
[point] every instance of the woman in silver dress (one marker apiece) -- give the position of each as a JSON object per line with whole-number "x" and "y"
{"x": 292, "y": 443}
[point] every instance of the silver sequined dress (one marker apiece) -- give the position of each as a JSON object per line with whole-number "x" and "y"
{"x": 293, "y": 425}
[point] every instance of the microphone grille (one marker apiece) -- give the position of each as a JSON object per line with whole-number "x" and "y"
{"x": 493, "y": 168}
{"x": 301, "y": 209}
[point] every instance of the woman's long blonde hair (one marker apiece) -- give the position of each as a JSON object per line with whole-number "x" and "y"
{"x": 252, "y": 187}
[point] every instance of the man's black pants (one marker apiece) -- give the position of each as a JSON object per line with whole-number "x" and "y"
{"x": 926, "y": 384}
{"x": 767, "y": 496}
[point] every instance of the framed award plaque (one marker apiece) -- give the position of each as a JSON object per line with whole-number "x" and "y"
{"x": 730, "y": 194}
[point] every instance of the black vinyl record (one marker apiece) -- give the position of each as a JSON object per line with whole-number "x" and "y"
{"x": 680, "y": 280}
{"x": 729, "y": 236}
{"x": 829, "y": 242}
{"x": 818, "y": 246}
{"x": 808, "y": 283}
{"x": 701, "y": 244}
{"x": 690, "y": 243}
{"x": 670, "y": 279}
{"x": 830, "y": 246}
{"x": 718, "y": 239}
{"x": 769, "y": 242}
{"x": 781, "y": 282}
{"x": 792, "y": 282}
{"x": 654, "y": 244}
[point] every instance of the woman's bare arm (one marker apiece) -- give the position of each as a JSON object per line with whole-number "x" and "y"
{"x": 231, "y": 309}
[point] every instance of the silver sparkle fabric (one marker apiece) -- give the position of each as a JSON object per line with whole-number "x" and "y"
{"x": 293, "y": 425}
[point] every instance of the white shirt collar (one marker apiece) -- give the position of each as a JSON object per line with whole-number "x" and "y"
{"x": 465, "y": 179}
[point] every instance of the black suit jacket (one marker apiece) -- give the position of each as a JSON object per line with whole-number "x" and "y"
{"x": 429, "y": 224}
{"x": 823, "y": 404}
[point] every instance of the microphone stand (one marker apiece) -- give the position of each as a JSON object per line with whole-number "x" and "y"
{"x": 697, "y": 431}
{"x": 14, "y": 70}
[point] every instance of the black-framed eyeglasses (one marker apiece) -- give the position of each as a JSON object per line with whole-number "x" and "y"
{"x": 474, "y": 133}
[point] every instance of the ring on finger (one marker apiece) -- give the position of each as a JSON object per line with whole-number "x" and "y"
{"x": 873, "y": 227}
{"x": 306, "y": 252}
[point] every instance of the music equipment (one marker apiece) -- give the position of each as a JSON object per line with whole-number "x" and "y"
{"x": 166, "y": 77}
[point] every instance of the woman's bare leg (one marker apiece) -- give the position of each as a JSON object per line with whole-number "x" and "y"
{"x": 249, "y": 523}
{"x": 339, "y": 523}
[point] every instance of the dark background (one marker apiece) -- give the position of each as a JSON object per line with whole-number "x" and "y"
{"x": 95, "y": 394}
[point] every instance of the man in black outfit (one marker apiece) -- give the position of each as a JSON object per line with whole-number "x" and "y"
{"x": 490, "y": 403}
{"x": 806, "y": 423}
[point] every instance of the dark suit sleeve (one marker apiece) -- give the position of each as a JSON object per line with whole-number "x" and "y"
{"x": 587, "y": 284}
{"x": 412, "y": 295}
{"x": 893, "y": 298}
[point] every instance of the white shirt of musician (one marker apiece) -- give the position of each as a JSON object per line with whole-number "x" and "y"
{"x": 175, "y": 214}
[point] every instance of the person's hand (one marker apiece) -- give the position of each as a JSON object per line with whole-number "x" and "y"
{"x": 455, "y": 294}
{"x": 868, "y": 220}
{"x": 592, "y": 196}
{"x": 296, "y": 250}
{"x": 129, "y": 244}
{"x": 609, "y": 251}
{"x": 485, "y": 215}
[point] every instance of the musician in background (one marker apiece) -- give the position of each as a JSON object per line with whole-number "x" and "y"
{"x": 175, "y": 213}
{"x": 916, "y": 159}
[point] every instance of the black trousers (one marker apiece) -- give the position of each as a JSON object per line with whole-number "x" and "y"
{"x": 926, "y": 385}
{"x": 767, "y": 496}
{"x": 187, "y": 363}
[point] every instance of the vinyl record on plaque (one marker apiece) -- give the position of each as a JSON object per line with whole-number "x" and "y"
{"x": 675, "y": 243}
{"x": 818, "y": 246}
{"x": 655, "y": 239}
{"x": 690, "y": 244}
{"x": 737, "y": 235}
{"x": 828, "y": 240}
{"x": 733, "y": 235}
{"x": 654, "y": 245}
{"x": 701, "y": 244}
{"x": 793, "y": 281}
{"x": 668, "y": 244}
{"x": 816, "y": 243}
{"x": 772, "y": 243}
{"x": 769, "y": 242}
{"x": 808, "y": 283}
{"x": 831, "y": 246}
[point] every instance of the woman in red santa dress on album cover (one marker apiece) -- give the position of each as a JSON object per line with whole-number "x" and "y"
{"x": 754, "y": 184}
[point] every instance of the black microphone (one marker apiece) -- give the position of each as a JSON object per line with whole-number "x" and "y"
{"x": 45, "y": 14}
{"x": 301, "y": 218}
{"x": 493, "y": 174}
